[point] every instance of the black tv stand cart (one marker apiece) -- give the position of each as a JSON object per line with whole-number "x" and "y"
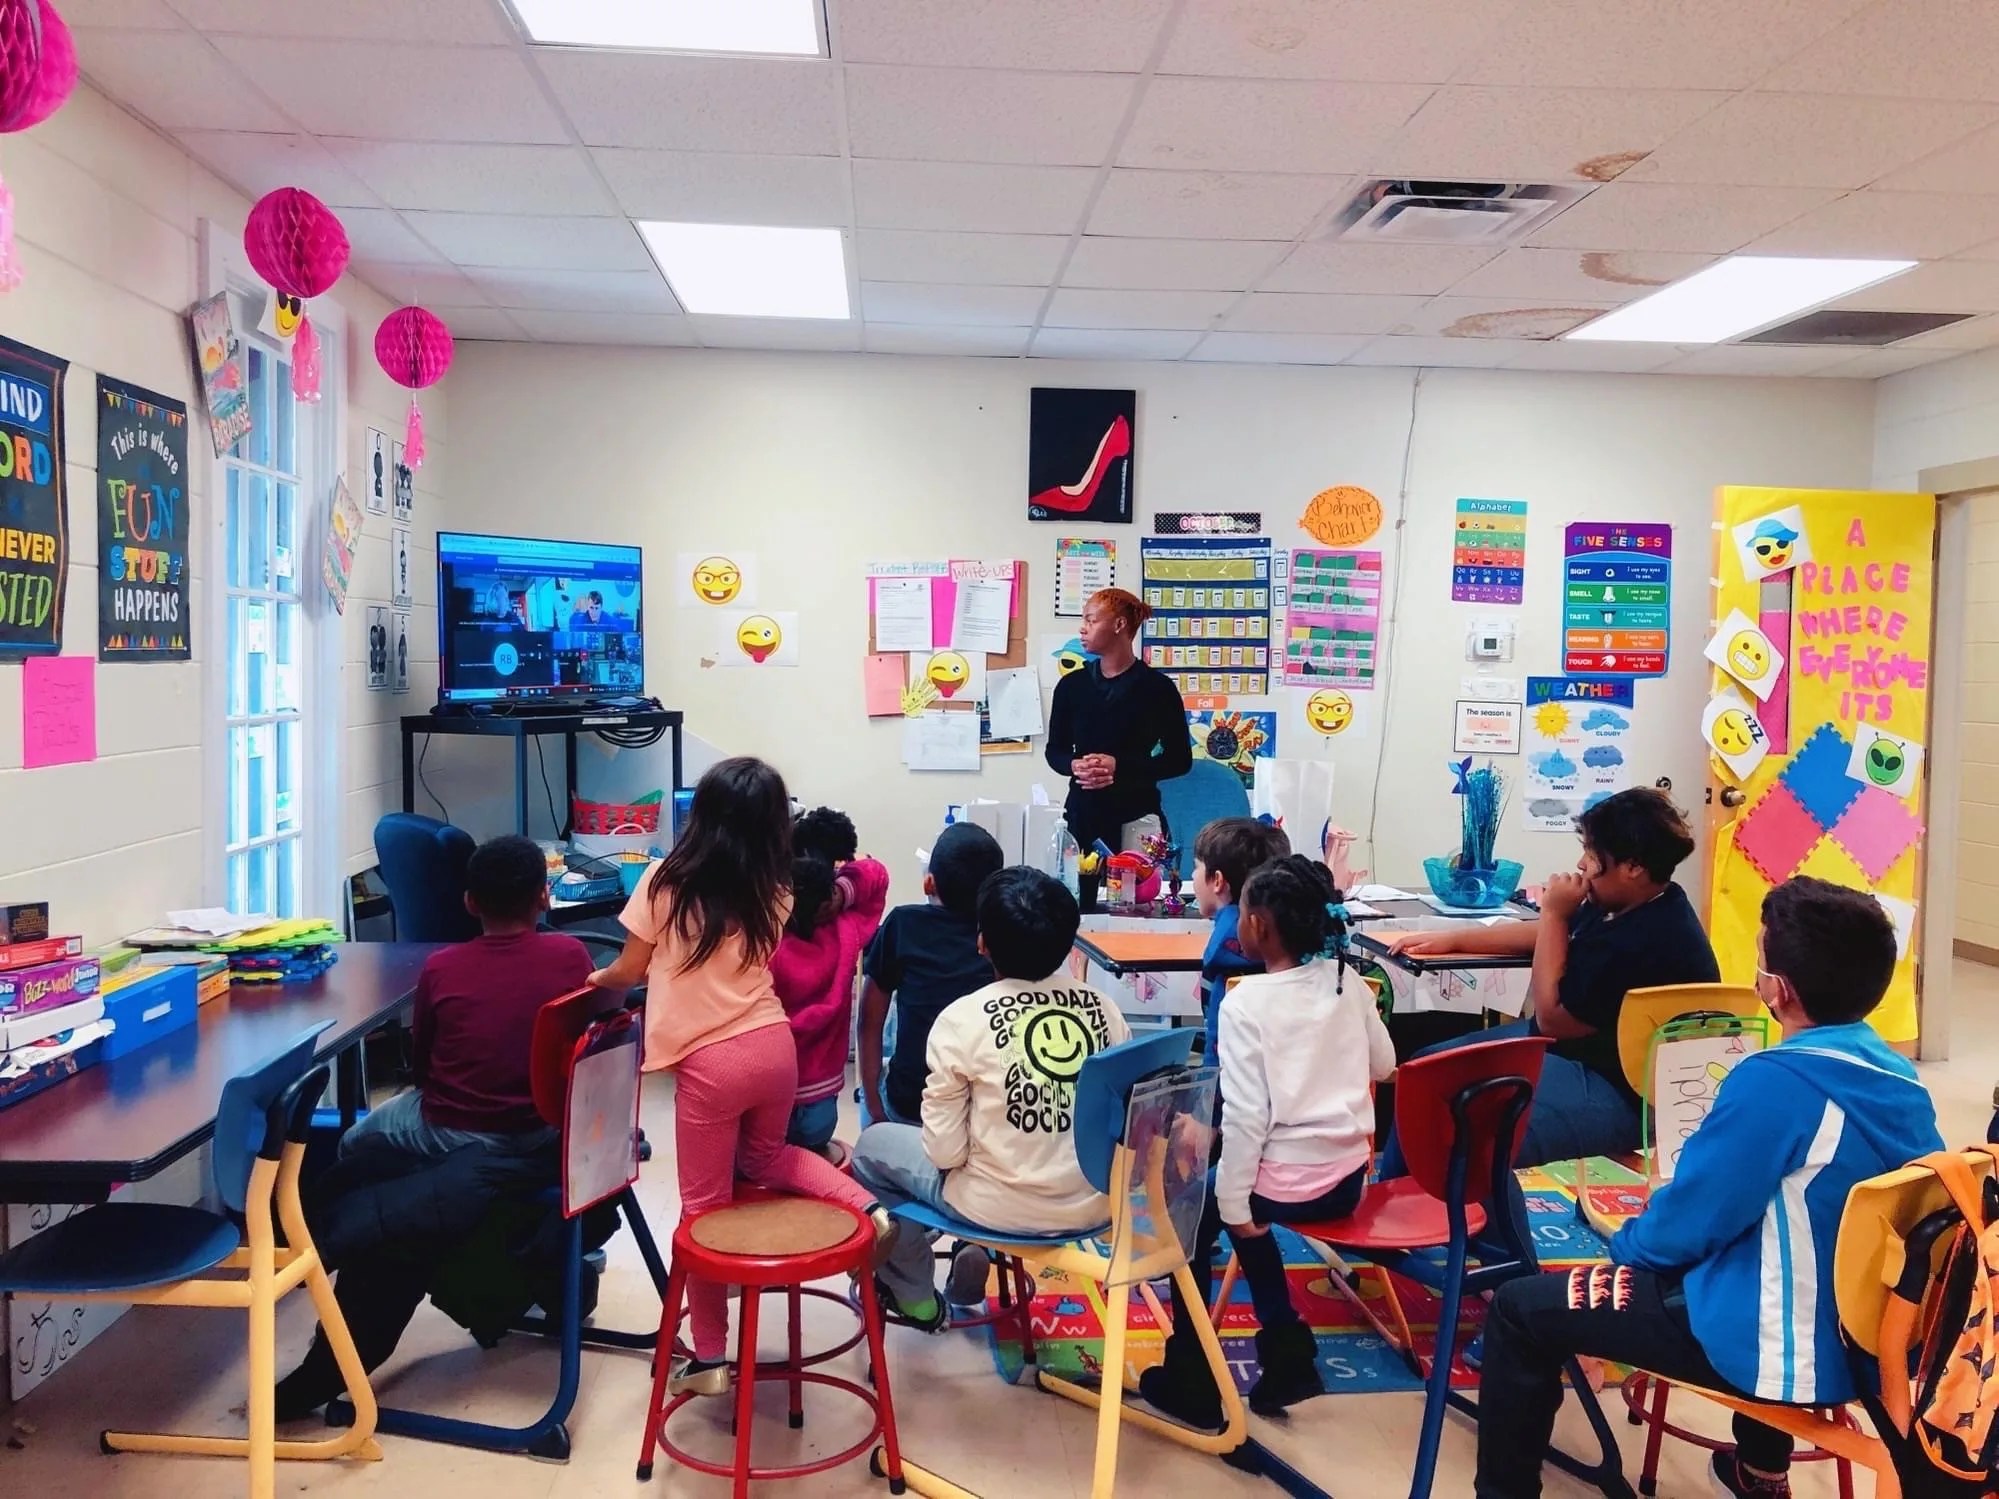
{"x": 524, "y": 726}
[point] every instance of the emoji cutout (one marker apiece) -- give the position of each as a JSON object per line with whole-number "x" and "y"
{"x": 1732, "y": 731}
{"x": 281, "y": 317}
{"x": 1772, "y": 544}
{"x": 1070, "y": 656}
{"x": 1329, "y": 711}
{"x": 958, "y": 678}
{"x": 1885, "y": 759}
{"x": 717, "y": 580}
{"x": 759, "y": 637}
{"x": 1747, "y": 654}
{"x": 948, "y": 672}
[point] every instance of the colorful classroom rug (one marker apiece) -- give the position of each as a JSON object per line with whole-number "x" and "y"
{"x": 1353, "y": 1357}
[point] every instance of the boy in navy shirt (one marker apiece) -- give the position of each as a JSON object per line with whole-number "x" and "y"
{"x": 1226, "y": 852}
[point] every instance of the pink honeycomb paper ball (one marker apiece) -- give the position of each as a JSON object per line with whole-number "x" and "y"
{"x": 295, "y": 242}
{"x": 20, "y": 58}
{"x": 55, "y": 80}
{"x": 413, "y": 347}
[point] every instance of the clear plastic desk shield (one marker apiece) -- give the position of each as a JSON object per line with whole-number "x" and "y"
{"x": 1169, "y": 1130}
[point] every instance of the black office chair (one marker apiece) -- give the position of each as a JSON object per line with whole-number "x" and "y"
{"x": 423, "y": 863}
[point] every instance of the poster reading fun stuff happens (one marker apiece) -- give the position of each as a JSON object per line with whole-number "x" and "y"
{"x": 34, "y": 512}
{"x": 142, "y": 525}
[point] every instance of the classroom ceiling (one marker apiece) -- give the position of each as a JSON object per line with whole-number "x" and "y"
{"x": 1147, "y": 179}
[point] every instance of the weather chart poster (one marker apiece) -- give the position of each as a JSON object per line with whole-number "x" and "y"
{"x": 1617, "y": 599}
{"x": 142, "y": 525}
{"x": 34, "y": 513}
{"x": 1577, "y": 747}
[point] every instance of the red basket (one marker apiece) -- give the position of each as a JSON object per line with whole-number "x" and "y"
{"x": 613, "y": 817}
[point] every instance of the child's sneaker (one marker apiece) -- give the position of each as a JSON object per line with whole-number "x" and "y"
{"x": 1733, "y": 1481}
{"x": 693, "y": 1376}
{"x": 925, "y": 1316}
{"x": 965, "y": 1282}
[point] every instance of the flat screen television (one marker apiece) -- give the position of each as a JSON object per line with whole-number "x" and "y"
{"x": 525, "y": 620}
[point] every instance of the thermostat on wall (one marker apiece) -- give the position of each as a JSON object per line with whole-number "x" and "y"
{"x": 1489, "y": 640}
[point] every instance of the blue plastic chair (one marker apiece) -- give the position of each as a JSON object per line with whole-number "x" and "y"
{"x": 1207, "y": 791}
{"x": 423, "y": 864}
{"x": 158, "y": 1254}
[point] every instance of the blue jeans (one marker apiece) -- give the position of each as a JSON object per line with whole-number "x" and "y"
{"x": 812, "y": 1124}
{"x": 889, "y": 1160}
{"x": 398, "y": 1127}
{"x": 1577, "y": 1112}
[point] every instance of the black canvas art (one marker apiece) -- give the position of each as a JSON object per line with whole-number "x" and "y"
{"x": 1079, "y": 455}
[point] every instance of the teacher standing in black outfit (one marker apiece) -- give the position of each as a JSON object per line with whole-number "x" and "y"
{"x": 1117, "y": 729}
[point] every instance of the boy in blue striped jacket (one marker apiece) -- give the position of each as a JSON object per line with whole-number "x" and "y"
{"x": 1726, "y": 1280}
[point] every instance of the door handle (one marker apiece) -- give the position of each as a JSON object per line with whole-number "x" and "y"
{"x": 1731, "y": 796}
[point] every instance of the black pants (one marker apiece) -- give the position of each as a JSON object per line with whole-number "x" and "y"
{"x": 1261, "y": 1260}
{"x": 1602, "y": 1311}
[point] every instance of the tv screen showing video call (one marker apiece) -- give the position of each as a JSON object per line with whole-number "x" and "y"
{"x": 525, "y": 619}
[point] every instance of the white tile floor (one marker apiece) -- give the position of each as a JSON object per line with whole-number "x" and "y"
{"x": 183, "y": 1370}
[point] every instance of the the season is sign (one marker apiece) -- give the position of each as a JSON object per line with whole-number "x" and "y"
{"x": 1617, "y": 598}
{"x": 142, "y": 525}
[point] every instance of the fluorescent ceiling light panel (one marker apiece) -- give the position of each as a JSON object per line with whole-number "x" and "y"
{"x": 1737, "y": 295}
{"x": 787, "y": 28}
{"x": 747, "y": 270}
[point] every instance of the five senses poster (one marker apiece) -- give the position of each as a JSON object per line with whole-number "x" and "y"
{"x": 1578, "y": 749}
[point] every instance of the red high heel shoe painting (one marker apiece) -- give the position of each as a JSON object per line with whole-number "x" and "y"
{"x": 1080, "y": 455}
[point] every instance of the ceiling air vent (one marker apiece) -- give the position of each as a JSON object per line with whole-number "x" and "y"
{"x": 1411, "y": 212}
{"x": 1831, "y": 325}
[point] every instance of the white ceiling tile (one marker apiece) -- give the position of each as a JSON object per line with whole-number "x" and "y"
{"x": 979, "y": 114}
{"x": 1137, "y": 309}
{"x": 1501, "y": 317}
{"x": 649, "y": 329}
{"x": 476, "y": 178}
{"x": 711, "y": 187}
{"x": 576, "y": 291}
{"x": 1652, "y": 43}
{"x": 1114, "y": 36}
{"x": 977, "y": 198}
{"x": 1303, "y": 312}
{"x": 772, "y": 106}
{"x": 1876, "y": 364}
{"x": 260, "y": 163}
{"x": 1100, "y": 343}
{"x": 777, "y": 333}
{"x": 404, "y": 92}
{"x": 526, "y": 243}
{"x": 1972, "y": 333}
{"x": 1409, "y": 41}
{"x": 424, "y": 285}
{"x": 1592, "y": 357}
{"x": 378, "y": 234}
{"x": 1447, "y": 353}
{"x": 1938, "y": 286}
{"x": 1809, "y": 140}
{"x": 481, "y": 324}
{"x": 1211, "y": 205}
{"x": 1909, "y": 226}
{"x": 904, "y": 338}
{"x": 1333, "y": 266}
{"x": 1537, "y": 134}
{"x": 1171, "y": 264}
{"x": 961, "y": 259}
{"x": 1228, "y": 347}
{"x": 1919, "y": 49}
{"x": 1970, "y": 165}
{"x": 1761, "y": 359}
{"x": 961, "y": 306}
{"x": 1266, "y": 125}
{"x": 173, "y": 79}
{"x": 459, "y": 21}
{"x": 1676, "y": 216}
{"x": 1591, "y": 275}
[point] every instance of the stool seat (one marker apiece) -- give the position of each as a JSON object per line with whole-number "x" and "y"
{"x": 782, "y": 1226}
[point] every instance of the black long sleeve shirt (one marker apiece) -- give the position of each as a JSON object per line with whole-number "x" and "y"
{"x": 1138, "y": 719}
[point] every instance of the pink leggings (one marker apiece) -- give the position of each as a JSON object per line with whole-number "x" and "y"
{"x": 731, "y": 1108}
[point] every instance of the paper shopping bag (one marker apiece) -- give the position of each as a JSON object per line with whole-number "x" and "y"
{"x": 1298, "y": 796}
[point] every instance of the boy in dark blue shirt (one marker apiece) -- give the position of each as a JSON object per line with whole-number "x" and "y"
{"x": 1226, "y": 851}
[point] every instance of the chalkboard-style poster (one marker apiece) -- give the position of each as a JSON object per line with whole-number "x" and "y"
{"x": 142, "y": 525}
{"x": 1079, "y": 453}
{"x": 34, "y": 513}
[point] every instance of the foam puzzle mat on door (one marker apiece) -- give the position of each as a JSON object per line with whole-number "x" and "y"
{"x": 1353, "y": 1358}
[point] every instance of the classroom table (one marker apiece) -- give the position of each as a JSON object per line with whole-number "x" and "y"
{"x": 130, "y": 1119}
{"x": 1121, "y": 953}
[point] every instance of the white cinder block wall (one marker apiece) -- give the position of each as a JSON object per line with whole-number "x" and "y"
{"x": 107, "y": 214}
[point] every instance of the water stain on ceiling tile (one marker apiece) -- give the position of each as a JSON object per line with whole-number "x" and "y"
{"x": 1521, "y": 322}
{"x": 1602, "y": 265}
{"x": 1610, "y": 166}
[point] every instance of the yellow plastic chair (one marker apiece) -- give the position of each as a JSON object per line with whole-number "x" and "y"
{"x": 155, "y": 1254}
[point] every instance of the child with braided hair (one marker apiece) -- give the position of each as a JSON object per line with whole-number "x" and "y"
{"x": 1300, "y": 1052}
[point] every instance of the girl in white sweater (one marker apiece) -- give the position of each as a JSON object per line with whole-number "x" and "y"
{"x": 1299, "y": 1054}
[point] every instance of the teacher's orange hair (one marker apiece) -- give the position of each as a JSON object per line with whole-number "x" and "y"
{"x": 1128, "y": 607}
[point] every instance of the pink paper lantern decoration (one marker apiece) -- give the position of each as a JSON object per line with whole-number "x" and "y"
{"x": 20, "y": 58}
{"x": 414, "y": 349}
{"x": 296, "y": 243}
{"x": 37, "y": 73}
{"x": 55, "y": 80}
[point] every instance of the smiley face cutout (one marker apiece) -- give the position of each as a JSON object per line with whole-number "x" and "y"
{"x": 1329, "y": 711}
{"x": 717, "y": 580}
{"x": 759, "y": 637}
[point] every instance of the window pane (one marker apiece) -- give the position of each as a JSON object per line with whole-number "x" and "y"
{"x": 257, "y": 655}
{"x": 239, "y": 884}
{"x": 239, "y": 786}
{"x": 288, "y": 895}
{"x": 257, "y": 446}
{"x": 287, "y": 648}
{"x": 239, "y": 688}
{"x": 259, "y": 881}
{"x": 284, "y": 447}
{"x": 232, "y": 542}
{"x": 289, "y": 763}
{"x": 256, "y": 531}
{"x": 284, "y": 522}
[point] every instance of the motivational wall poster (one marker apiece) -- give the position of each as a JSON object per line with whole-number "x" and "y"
{"x": 1489, "y": 552}
{"x": 399, "y": 564}
{"x": 403, "y": 496}
{"x": 1082, "y": 566}
{"x": 142, "y": 525}
{"x": 225, "y": 372}
{"x": 399, "y": 661}
{"x": 1344, "y": 516}
{"x": 1332, "y": 619}
{"x": 1079, "y": 454}
{"x": 1577, "y": 742}
{"x": 1210, "y": 627}
{"x": 378, "y": 648}
{"x": 1617, "y": 598}
{"x": 34, "y": 505}
{"x": 379, "y": 476}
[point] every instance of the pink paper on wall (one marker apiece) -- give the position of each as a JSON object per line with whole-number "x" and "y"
{"x": 884, "y": 674}
{"x": 58, "y": 710}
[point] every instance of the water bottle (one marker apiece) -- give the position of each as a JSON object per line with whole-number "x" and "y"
{"x": 1062, "y": 859}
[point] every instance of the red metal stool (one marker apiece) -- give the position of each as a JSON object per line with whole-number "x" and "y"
{"x": 777, "y": 1244}
{"x": 1651, "y": 1414}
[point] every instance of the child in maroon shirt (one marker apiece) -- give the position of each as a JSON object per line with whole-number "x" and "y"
{"x": 473, "y": 1024}
{"x": 834, "y": 915}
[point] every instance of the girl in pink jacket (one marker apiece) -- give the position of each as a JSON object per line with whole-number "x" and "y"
{"x": 834, "y": 915}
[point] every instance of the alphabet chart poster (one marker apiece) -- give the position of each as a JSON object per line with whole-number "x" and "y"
{"x": 142, "y": 525}
{"x": 34, "y": 506}
{"x": 1489, "y": 552}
